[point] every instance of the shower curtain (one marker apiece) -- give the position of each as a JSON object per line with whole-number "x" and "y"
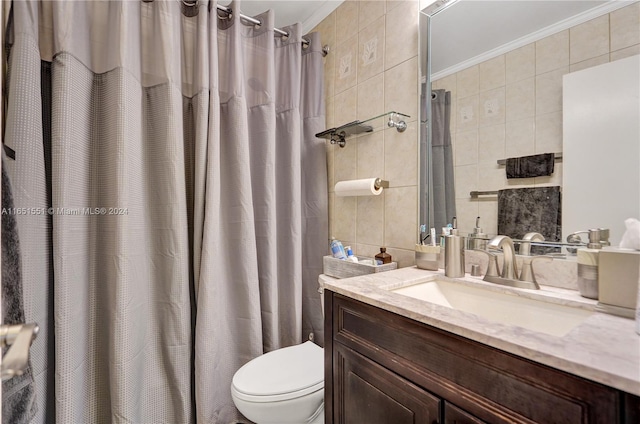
{"x": 175, "y": 201}
{"x": 443, "y": 203}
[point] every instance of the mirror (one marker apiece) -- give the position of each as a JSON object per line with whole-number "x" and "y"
{"x": 503, "y": 63}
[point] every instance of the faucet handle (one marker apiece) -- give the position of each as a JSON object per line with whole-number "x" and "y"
{"x": 492, "y": 268}
{"x": 527, "y": 273}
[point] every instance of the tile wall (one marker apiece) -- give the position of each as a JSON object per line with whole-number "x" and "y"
{"x": 373, "y": 68}
{"x": 511, "y": 106}
{"x": 508, "y": 106}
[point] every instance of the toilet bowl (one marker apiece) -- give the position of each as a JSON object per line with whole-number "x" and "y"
{"x": 285, "y": 386}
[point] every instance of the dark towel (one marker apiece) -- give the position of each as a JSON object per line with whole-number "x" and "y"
{"x": 522, "y": 210}
{"x": 18, "y": 393}
{"x": 530, "y": 166}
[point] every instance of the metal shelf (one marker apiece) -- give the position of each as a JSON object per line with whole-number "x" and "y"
{"x": 339, "y": 134}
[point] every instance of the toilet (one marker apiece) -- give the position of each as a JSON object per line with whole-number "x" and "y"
{"x": 285, "y": 386}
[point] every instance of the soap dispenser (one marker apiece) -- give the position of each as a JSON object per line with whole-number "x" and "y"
{"x": 478, "y": 239}
{"x": 454, "y": 253}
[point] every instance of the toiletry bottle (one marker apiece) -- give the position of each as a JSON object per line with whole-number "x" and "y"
{"x": 454, "y": 254}
{"x": 337, "y": 250}
{"x": 350, "y": 255}
{"x": 383, "y": 256}
{"x": 478, "y": 239}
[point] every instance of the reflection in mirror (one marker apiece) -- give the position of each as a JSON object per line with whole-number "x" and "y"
{"x": 502, "y": 65}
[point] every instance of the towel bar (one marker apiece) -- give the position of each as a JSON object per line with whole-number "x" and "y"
{"x": 476, "y": 194}
{"x": 556, "y": 156}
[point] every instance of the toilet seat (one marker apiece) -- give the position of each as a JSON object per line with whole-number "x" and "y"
{"x": 282, "y": 374}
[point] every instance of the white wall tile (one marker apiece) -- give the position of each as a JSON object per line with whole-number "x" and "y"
{"x": 344, "y": 225}
{"x": 347, "y": 16}
{"x": 491, "y": 144}
{"x": 345, "y": 106}
{"x": 401, "y": 156}
{"x": 401, "y": 222}
{"x": 401, "y": 88}
{"x": 491, "y": 107}
{"x": 488, "y": 213}
{"x": 466, "y": 214}
{"x": 520, "y": 100}
{"x": 468, "y": 82}
{"x": 520, "y": 63}
{"x": 549, "y": 133}
{"x": 589, "y": 40}
{"x": 625, "y": 27}
{"x": 371, "y": 50}
{"x": 552, "y": 52}
{"x": 344, "y": 162}
{"x": 466, "y": 147}
{"x": 370, "y": 11}
{"x": 627, "y": 52}
{"x": 466, "y": 180}
{"x": 370, "y": 222}
{"x": 467, "y": 113}
{"x": 599, "y": 60}
{"x": 492, "y": 73}
{"x": 370, "y": 155}
{"x": 549, "y": 91}
{"x": 520, "y": 138}
{"x": 401, "y": 32}
{"x": 346, "y": 65}
{"x": 370, "y": 98}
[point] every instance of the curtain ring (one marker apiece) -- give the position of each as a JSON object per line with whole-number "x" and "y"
{"x": 190, "y": 8}
{"x": 258, "y": 25}
{"x": 225, "y": 14}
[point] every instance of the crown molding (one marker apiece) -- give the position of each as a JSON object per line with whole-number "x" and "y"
{"x": 534, "y": 36}
{"x": 319, "y": 14}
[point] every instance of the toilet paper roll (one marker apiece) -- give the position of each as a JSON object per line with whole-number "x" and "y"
{"x": 364, "y": 187}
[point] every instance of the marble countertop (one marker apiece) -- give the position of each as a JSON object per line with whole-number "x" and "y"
{"x": 604, "y": 348}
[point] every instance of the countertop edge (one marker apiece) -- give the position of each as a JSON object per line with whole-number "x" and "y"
{"x": 611, "y": 359}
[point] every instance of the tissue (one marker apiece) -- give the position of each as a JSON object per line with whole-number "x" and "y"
{"x": 631, "y": 237}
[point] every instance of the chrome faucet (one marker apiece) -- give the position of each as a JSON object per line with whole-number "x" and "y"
{"x": 509, "y": 276}
{"x": 510, "y": 265}
{"x": 525, "y": 248}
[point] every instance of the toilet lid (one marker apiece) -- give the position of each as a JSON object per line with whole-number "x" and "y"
{"x": 282, "y": 374}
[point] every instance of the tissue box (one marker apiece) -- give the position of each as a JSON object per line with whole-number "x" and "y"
{"x": 618, "y": 276}
{"x": 344, "y": 269}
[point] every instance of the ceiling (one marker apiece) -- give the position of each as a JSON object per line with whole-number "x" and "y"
{"x": 308, "y": 12}
{"x": 471, "y": 28}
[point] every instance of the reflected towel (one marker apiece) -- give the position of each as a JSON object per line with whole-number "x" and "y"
{"x": 530, "y": 166}
{"x": 522, "y": 210}
{"x": 18, "y": 393}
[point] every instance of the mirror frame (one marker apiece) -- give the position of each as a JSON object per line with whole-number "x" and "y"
{"x": 424, "y": 109}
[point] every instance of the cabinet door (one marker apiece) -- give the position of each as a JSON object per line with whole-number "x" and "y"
{"x": 455, "y": 415}
{"x": 365, "y": 392}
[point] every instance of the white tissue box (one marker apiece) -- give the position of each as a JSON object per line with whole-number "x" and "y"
{"x": 618, "y": 276}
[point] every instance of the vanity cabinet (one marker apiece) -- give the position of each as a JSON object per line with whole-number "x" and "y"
{"x": 381, "y": 368}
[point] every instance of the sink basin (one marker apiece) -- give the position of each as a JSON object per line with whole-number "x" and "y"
{"x": 536, "y": 315}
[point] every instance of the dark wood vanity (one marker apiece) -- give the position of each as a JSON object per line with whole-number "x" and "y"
{"x": 381, "y": 367}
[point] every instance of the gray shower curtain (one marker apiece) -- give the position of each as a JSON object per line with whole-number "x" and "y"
{"x": 174, "y": 235}
{"x": 443, "y": 202}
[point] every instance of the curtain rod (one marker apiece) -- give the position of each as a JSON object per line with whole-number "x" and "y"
{"x": 305, "y": 42}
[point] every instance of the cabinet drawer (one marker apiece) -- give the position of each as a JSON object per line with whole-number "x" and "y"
{"x": 455, "y": 415}
{"x": 489, "y": 384}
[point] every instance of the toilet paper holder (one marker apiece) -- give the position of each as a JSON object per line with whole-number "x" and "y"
{"x": 381, "y": 183}
{"x": 362, "y": 187}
